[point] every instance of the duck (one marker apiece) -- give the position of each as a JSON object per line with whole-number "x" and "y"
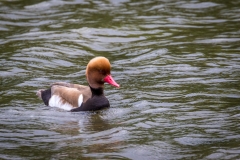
{"x": 75, "y": 97}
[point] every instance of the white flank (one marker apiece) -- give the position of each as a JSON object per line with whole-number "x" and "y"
{"x": 55, "y": 101}
{"x": 80, "y": 100}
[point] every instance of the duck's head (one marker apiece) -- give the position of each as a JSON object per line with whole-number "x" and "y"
{"x": 98, "y": 72}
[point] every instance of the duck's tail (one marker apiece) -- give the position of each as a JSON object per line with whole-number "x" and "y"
{"x": 45, "y": 95}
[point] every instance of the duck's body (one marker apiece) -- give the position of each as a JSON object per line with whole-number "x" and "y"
{"x": 75, "y": 97}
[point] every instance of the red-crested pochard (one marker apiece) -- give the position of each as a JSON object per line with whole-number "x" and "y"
{"x": 74, "y": 97}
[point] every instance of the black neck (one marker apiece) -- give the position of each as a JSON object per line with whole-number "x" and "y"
{"x": 96, "y": 91}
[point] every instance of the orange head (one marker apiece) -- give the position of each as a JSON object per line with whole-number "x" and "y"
{"x": 98, "y": 72}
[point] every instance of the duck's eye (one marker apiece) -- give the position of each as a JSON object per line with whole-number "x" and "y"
{"x": 102, "y": 72}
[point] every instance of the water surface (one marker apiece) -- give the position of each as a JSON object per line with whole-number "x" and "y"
{"x": 177, "y": 62}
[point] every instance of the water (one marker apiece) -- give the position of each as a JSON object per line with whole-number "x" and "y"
{"x": 177, "y": 62}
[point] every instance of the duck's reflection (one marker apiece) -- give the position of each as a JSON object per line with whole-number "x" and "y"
{"x": 90, "y": 133}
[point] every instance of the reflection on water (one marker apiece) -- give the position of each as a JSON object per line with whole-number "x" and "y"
{"x": 177, "y": 62}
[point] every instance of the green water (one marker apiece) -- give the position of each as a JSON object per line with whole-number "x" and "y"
{"x": 177, "y": 62}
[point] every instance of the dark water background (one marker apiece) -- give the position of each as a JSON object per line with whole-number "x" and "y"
{"x": 178, "y": 64}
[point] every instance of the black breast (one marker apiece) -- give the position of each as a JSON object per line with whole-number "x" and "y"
{"x": 96, "y": 102}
